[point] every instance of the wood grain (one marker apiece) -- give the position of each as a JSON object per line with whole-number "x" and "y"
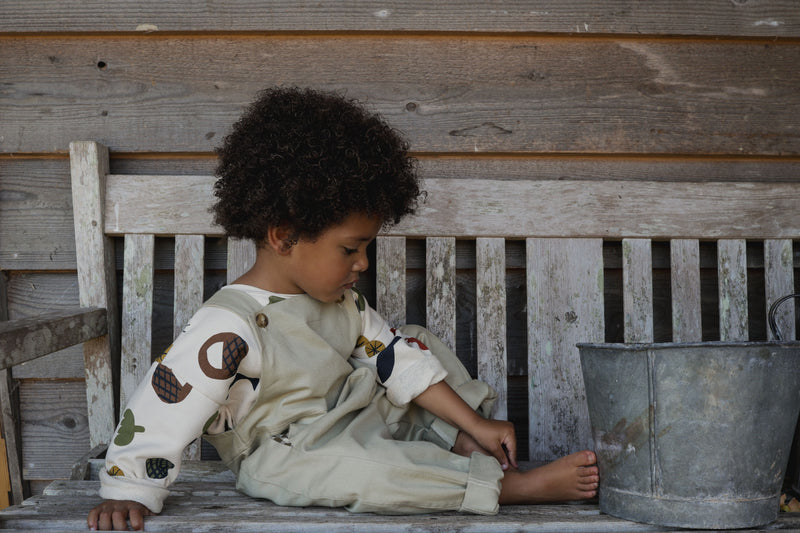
{"x": 732, "y": 275}
{"x": 565, "y": 307}
{"x": 390, "y": 279}
{"x": 779, "y": 281}
{"x": 685, "y": 285}
{"x": 440, "y": 289}
{"x": 490, "y": 94}
{"x": 26, "y": 339}
{"x": 483, "y": 207}
{"x": 490, "y": 312}
{"x": 35, "y": 207}
{"x": 97, "y": 281}
{"x": 137, "y": 314}
{"x": 637, "y": 280}
{"x": 775, "y": 18}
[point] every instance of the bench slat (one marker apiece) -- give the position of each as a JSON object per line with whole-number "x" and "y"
{"x": 778, "y": 282}
{"x": 490, "y": 303}
{"x": 685, "y": 283}
{"x": 440, "y": 288}
{"x": 637, "y": 281}
{"x": 189, "y": 257}
{"x": 390, "y": 279}
{"x": 241, "y": 256}
{"x": 189, "y": 269}
{"x": 137, "y": 313}
{"x": 484, "y": 207}
{"x": 732, "y": 280}
{"x": 565, "y": 306}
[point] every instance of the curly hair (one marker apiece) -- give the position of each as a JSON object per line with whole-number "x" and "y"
{"x": 307, "y": 159}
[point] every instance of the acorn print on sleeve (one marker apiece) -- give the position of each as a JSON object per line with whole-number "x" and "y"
{"x": 127, "y": 429}
{"x": 158, "y": 467}
{"x": 234, "y": 349}
{"x": 167, "y": 387}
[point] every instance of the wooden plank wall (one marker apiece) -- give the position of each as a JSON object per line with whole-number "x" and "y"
{"x": 677, "y": 91}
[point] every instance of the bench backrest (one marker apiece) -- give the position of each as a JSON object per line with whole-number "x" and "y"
{"x": 563, "y": 224}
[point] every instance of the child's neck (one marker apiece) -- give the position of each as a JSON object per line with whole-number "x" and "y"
{"x": 266, "y": 274}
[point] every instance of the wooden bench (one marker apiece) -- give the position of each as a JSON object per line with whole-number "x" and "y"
{"x": 564, "y": 240}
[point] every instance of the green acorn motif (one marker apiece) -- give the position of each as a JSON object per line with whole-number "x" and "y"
{"x": 127, "y": 429}
{"x": 158, "y": 467}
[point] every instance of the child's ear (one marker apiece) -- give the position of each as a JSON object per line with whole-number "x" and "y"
{"x": 279, "y": 238}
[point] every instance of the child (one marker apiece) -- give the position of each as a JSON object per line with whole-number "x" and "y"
{"x": 305, "y": 391}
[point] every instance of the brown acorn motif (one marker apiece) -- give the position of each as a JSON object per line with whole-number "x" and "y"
{"x": 234, "y": 349}
{"x": 158, "y": 467}
{"x": 167, "y": 387}
{"x": 116, "y": 471}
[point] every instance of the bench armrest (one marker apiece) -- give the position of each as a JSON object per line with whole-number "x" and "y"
{"x": 29, "y": 338}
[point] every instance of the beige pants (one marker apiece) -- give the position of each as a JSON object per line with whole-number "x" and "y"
{"x": 368, "y": 455}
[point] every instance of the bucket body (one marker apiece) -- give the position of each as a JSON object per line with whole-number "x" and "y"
{"x": 692, "y": 435}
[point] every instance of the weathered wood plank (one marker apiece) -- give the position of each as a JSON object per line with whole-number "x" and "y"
{"x": 189, "y": 272}
{"x": 36, "y": 293}
{"x": 390, "y": 272}
{"x": 490, "y": 304}
{"x": 685, "y": 285}
{"x": 97, "y": 281}
{"x": 197, "y": 507}
{"x": 37, "y": 232}
{"x": 25, "y": 339}
{"x": 440, "y": 288}
{"x": 137, "y": 314}
{"x": 565, "y": 306}
{"x": 54, "y": 425}
{"x": 637, "y": 280}
{"x": 779, "y": 282}
{"x": 530, "y": 94}
{"x": 732, "y": 275}
{"x": 776, "y": 18}
{"x": 241, "y": 256}
{"x": 546, "y": 208}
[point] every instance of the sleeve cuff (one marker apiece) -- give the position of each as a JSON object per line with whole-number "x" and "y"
{"x": 122, "y": 488}
{"x": 415, "y": 380}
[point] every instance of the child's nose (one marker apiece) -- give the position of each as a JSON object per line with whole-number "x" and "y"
{"x": 362, "y": 263}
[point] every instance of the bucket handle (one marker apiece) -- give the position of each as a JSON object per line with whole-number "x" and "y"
{"x": 773, "y": 325}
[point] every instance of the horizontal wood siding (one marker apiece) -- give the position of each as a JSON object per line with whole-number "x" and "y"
{"x": 774, "y": 18}
{"x": 461, "y": 94}
{"x": 611, "y": 119}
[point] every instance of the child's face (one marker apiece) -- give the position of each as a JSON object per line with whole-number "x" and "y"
{"x": 328, "y": 266}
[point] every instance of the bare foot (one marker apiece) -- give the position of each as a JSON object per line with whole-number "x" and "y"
{"x": 574, "y": 477}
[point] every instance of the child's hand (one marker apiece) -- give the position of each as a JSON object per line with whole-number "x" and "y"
{"x": 114, "y": 514}
{"x": 498, "y": 438}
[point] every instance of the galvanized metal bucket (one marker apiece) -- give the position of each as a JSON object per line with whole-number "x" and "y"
{"x": 692, "y": 435}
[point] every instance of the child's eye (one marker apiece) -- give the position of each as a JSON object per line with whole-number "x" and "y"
{"x": 350, "y": 251}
